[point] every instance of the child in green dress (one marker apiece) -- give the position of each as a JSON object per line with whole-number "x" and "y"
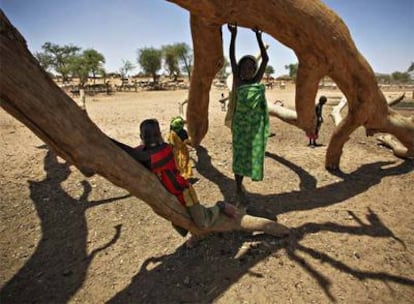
{"x": 250, "y": 125}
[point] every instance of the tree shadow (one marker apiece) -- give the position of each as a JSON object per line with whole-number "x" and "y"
{"x": 309, "y": 196}
{"x": 205, "y": 168}
{"x": 203, "y": 274}
{"x": 206, "y": 272}
{"x": 58, "y": 266}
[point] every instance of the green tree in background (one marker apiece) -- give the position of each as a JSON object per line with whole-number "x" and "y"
{"x": 94, "y": 62}
{"x": 185, "y": 57}
{"x": 150, "y": 61}
{"x": 90, "y": 62}
{"x": 177, "y": 57}
{"x": 401, "y": 77}
{"x": 57, "y": 57}
{"x": 269, "y": 71}
{"x": 170, "y": 54}
{"x": 78, "y": 67}
{"x": 293, "y": 70}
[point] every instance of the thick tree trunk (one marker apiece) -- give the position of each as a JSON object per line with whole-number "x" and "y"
{"x": 387, "y": 140}
{"x": 203, "y": 74}
{"x": 323, "y": 45}
{"x": 28, "y": 94}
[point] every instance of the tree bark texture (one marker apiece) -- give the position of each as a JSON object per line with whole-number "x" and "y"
{"x": 323, "y": 45}
{"x": 386, "y": 139}
{"x": 28, "y": 94}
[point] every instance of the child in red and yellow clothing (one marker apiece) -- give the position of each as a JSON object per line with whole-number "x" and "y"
{"x": 158, "y": 157}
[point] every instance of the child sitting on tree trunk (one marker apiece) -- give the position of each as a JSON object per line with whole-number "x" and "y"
{"x": 319, "y": 121}
{"x": 178, "y": 139}
{"x": 158, "y": 157}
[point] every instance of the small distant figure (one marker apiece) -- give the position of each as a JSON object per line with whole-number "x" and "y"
{"x": 319, "y": 121}
{"x": 179, "y": 140}
{"x": 222, "y": 101}
{"x": 250, "y": 124}
{"x": 157, "y": 156}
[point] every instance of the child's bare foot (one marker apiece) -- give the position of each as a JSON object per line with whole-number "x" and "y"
{"x": 230, "y": 210}
{"x": 193, "y": 241}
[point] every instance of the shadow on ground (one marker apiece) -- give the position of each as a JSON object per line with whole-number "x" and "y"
{"x": 59, "y": 264}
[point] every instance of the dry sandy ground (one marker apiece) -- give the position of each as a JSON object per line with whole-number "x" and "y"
{"x": 67, "y": 238}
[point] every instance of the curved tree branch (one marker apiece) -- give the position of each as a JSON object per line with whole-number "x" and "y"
{"x": 323, "y": 45}
{"x": 28, "y": 94}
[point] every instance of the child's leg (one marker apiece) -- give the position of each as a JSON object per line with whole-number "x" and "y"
{"x": 202, "y": 216}
{"x": 239, "y": 182}
{"x": 240, "y": 193}
{"x": 318, "y": 126}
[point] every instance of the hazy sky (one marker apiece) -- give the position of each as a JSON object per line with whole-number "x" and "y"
{"x": 383, "y": 30}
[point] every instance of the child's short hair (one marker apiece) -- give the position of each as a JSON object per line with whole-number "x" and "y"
{"x": 150, "y": 133}
{"x": 323, "y": 99}
{"x": 247, "y": 57}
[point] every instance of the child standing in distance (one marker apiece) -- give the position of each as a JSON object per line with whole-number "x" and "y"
{"x": 319, "y": 121}
{"x": 178, "y": 139}
{"x": 250, "y": 126}
{"x": 158, "y": 157}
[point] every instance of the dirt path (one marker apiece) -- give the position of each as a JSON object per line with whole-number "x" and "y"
{"x": 66, "y": 238}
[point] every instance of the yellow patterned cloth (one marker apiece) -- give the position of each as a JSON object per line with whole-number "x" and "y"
{"x": 181, "y": 154}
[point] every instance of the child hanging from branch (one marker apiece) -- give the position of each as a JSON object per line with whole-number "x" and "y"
{"x": 250, "y": 124}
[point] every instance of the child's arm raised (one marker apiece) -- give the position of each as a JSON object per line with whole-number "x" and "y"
{"x": 233, "y": 30}
{"x": 263, "y": 52}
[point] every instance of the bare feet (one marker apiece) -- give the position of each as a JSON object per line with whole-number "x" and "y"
{"x": 193, "y": 241}
{"x": 230, "y": 210}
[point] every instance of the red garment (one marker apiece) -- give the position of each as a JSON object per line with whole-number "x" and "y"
{"x": 163, "y": 165}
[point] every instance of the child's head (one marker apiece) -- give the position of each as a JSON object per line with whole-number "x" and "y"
{"x": 247, "y": 67}
{"x": 150, "y": 133}
{"x": 323, "y": 100}
{"x": 177, "y": 124}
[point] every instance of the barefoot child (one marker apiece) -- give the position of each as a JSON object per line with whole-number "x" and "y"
{"x": 250, "y": 126}
{"x": 158, "y": 157}
{"x": 178, "y": 139}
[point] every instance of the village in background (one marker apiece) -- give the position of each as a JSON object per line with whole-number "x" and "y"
{"x": 167, "y": 68}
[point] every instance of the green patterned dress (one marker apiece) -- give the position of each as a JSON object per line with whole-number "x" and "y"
{"x": 250, "y": 130}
